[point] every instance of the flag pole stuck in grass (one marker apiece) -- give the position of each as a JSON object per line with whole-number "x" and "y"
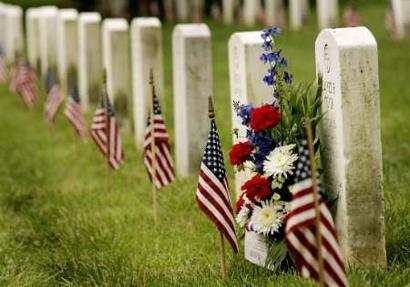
{"x": 153, "y": 150}
{"x": 316, "y": 201}
{"x": 212, "y": 193}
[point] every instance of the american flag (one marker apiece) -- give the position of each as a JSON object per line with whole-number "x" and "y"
{"x": 3, "y": 69}
{"x": 104, "y": 129}
{"x": 164, "y": 167}
{"x": 75, "y": 115}
{"x": 301, "y": 229}
{"x": 54, "y": 99}
{"x": 26, "y": 84}
{"x": 212, "y": 194}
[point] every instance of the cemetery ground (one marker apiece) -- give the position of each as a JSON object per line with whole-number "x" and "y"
{"x": 61, "y": 226}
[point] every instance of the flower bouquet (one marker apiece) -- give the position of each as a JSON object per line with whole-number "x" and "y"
{"x": 269, "y": 150}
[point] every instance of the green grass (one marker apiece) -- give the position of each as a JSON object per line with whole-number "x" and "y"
{"x": 60, "y": 226}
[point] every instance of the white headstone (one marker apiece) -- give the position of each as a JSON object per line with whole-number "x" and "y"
{"x": 14, "y": 32}
{"x": 347, "y": 61}
{"x": 33, "y": 36}
{"x": 272, "y": 9}
{"x": 182, "y": 10}
{"x": 228, "y": 11}
{"x": 401, "y": 12}
{"x": 146, "y": 50}
{"x": 328, "y": 13}
{"x": 296, "y": 14}
{"x": 90, "y": 71}
{"x": 192, "y": 71}
{"x": 3, "y": 27}
{"x": 117, "y": 61}
{"x": 67, "y": 49}
{"x": 246, "y": 72}
{"x": 48, "y": 39}
{"x": 250, "y": 11}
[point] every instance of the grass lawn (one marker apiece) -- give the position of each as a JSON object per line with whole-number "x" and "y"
{"x": 61, "y": 226}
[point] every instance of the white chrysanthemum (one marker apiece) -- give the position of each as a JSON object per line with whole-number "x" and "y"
{"x": 268, "y": 218}
{"x": 279, "y": 163}
{"x": 243, "y": 216}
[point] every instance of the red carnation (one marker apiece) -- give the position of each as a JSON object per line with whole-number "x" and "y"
{"x": 257, "y": 188}
{"x": 239, "y": 203}
{"x": 264, "y": 117}
{"x": 240, "y": 152}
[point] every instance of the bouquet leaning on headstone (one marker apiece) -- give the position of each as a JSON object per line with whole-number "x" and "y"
{"x": 267, "y": 149}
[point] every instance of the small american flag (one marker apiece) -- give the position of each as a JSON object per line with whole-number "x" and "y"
{"x": 54, "y": 99}
{"x": 26, "y": 84}
{"x": 212, "y": 193}
{"x": 3, "y": 69}
{"x": 301, "y": 229}
{"x": 164, "y": 167}
{"x": 75, "y": 115}
{"x": 104, "y": 129}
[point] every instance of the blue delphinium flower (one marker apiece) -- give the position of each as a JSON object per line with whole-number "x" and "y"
{"x": 264, "y": 58}
{"x": 267, "y": 45}
{"x": 272, "y": 57}
{"x": 269, "y": 80}
{"x": 283, "y": 62}
{"x": 263, "y": 141}
{"x": 275, "y": 31}
{"x": 245, "y": 113}
{"x": 287, "y": 77}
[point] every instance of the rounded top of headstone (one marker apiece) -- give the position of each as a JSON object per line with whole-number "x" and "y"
{"x": 251, "y": 37}
{"x": 49, "y": 11}
{"x": 89, "y": 17}
{"x": 14, "y": 10}
{"x": 67, "y": 14}
{"x": 193, "y": 30}
{"x": 146, "y": 22}
{"x": 115, "y": 24}
{"x": 348, "y": 37}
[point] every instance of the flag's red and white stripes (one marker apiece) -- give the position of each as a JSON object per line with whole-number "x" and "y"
{"x": 104, "y": 129}
{"x": 213, "y": 198}
{"x": 74, "y": 114}
{"x": 3, "y": 70}
{"x": 301, "y": 237}
{"x": 164, "y": 167}
{"x": 53, "y": 103}
{"x": 26, "y": 85}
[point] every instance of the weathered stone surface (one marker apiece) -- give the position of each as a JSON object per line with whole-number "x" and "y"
{"x": 14, "y": 32}
{"x": 272, "y": 9}
{"x": 245, "y": 75}
{"x": 33, "y": 36}
{"x": 192, "y": 71}
{"x": 401, "y": 12}
{"x": 146, "y": 50}
{"x": 48, "y": 40}
{"x": 347, "y": 61}
{"x": 90, "y": 69}
{"x": 328, "y": 13}
{"x": 117, "y": 61}
{"x": 67, "y": 49}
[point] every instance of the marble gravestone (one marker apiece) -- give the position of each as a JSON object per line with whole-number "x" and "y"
{"x": 347, "y": 61}
{"x": 272, "y": 10}
{"x": 182, "y": 10}
{"x": 116, "y": 60}
{"x": 14, "y": 33}
{"x": 245, "y": 76}
{"x": 90, "y": 71}
{"x": 146, "y": 51}
{"x": 327, "y": 12}
{"x": 3, "y": 27}
{"x": 192, "y": 77}
{"x": 67, "y": 49}
{"x": 48, "y": 40}
{"x": 228, "y": 7}
{"x": 401, "y": 12}
{"x": 33, "y": 37}
{"x": 250, "y": 10}
{"x": 296, "y": 14}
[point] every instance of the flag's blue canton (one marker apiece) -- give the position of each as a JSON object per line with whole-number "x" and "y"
{"x": 213, "y": 157}
{"x": 303, "y": 163}
{"x": 50, "y": 82}
{"x": 75, "y": 95}
{"x": 157, "y": 109}
{"x": 110, "y": 108}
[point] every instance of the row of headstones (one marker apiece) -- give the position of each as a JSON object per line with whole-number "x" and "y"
{"x": 347, "y": 61}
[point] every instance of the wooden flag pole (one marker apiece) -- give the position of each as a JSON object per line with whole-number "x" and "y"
{"x": 211, "y": 115}
{"x": 316, "y": 201}
{"x": 153, "y": 150}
